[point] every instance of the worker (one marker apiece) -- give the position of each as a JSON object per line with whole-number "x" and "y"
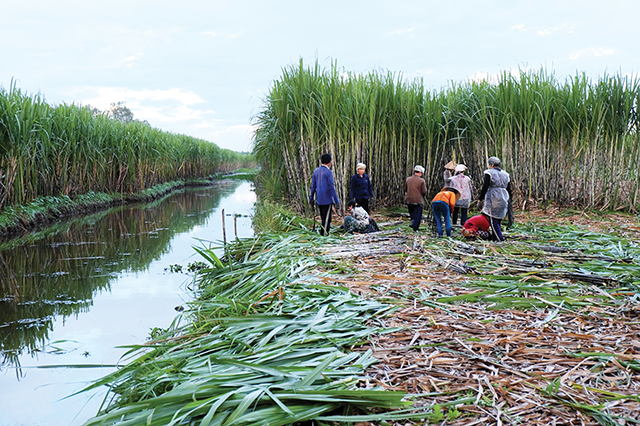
{"x": 442, "y": 205}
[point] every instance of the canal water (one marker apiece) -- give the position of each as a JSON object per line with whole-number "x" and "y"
{"x": 73, "y": 295}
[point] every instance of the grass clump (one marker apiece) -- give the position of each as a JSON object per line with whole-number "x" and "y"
{"x": 273, "y": 217}
{"x": 48, "y": 209}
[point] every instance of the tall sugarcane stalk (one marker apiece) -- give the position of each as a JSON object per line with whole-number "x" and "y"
{"x": 571, "y": 143}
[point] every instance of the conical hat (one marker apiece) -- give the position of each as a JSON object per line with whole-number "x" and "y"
{"x": 452, "y": 189}
{"x": 450, "y": 165}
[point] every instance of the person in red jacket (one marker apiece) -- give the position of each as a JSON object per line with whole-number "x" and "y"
{"x": 477, "y": 226}
{"x": 442, "y": 205}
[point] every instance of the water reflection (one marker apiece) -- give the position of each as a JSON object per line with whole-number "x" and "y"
{"x": 56, "y": 274}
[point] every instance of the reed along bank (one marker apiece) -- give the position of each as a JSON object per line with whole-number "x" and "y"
{"x": 570, "y": 143}
{"x": 69, "y": 150}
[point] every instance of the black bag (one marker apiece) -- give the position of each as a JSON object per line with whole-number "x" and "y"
{"x": 373, "y": 226}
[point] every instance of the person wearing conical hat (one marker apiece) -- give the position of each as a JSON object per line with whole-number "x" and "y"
{"x": 449, "y": 169}
{"x": 442, "y": 205}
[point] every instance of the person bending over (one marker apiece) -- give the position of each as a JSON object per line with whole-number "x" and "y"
{"x": 442, "y": 205}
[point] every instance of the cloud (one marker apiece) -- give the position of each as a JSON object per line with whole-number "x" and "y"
{"x": 128, "y": 62}
{"x": 235, "y": 137}
{"x": 158, "y": 107}
{"x": 168, "y": 113}
{"x": 424, "y": 72}
{"x": 481, "y": 76}
{"x": 175, "y": 110}
{"x": 564, "y": 28}
{"x": 107, "y": 95}
{"x": 404, "y": 31}
{"x": 595, "y": 51}
{"x": 219, "y": 34}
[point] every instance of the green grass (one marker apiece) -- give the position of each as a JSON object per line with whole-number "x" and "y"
{"x": 50, "y": 208}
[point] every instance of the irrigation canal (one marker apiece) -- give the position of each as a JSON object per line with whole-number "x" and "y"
{"x": 71, "y": 294}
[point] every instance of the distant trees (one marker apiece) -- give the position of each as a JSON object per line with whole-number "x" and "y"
{"x": 117, "y": 111}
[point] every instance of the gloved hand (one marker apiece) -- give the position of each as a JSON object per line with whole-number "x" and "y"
{"x": 312, "y": 201}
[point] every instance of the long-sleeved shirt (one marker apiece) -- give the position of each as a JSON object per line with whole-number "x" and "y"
{"x": 477, "y": 223}
{"x": 323, "y": 186}
{"x": 496, "y": 193}
{"x": 463, "y": 184}
{"x": 448, "y": 197}
{"x": 486, "y": 183}
{"x": 360, "y": 187}
{"x": 415, "y": 189}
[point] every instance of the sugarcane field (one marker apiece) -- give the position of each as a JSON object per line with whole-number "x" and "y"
{"x": 463, "y": 256}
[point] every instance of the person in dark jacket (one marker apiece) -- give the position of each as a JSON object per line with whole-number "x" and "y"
{"x": 360, "y": 188}
{"x": 323, "y": 186}
{"x": 415, "y": 188}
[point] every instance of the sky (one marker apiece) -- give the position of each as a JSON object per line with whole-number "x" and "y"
{"x": 204, "y": 68}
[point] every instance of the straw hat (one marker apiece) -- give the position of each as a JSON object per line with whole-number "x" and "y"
{"x": 469, "y": 233}
{"x": 452, "y": 189}
{"x": 450, "y": 165}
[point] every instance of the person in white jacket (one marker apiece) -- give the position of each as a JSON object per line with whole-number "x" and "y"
{"x": 356, "y": 219}
{"x": 462, "y": 183}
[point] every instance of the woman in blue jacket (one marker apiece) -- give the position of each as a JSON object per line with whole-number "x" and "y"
{"x": 360, "y": 188}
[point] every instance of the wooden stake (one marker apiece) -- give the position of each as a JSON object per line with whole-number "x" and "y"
{"x": 224, "y": 231}
{"x": 235, "y": 225}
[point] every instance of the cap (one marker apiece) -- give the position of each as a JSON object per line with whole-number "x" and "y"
{"x": 460, "y": 168}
